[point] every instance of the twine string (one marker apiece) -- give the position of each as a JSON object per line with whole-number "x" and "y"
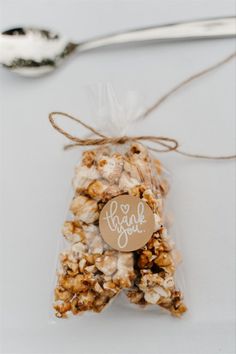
{"x": 183, "y": 83}
{"x": 165, "y": 144}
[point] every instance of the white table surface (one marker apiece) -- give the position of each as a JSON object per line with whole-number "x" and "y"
{"x": 36, "y": 176}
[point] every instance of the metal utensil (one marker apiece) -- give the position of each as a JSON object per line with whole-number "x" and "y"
{"x": 34, "y": 52}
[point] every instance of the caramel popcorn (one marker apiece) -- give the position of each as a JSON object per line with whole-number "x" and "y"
{"x": 91, "y": 273}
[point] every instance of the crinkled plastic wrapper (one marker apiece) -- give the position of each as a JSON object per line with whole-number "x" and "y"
{"x": 91, "y": 273}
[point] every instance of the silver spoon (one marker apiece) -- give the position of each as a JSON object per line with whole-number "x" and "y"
{"x": 34, "y": 52}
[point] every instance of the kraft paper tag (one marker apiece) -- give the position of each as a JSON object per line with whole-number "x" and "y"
{"x": 126, "y": 223}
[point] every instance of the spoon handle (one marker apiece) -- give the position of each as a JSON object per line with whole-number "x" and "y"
{"x": 202, "y": 29}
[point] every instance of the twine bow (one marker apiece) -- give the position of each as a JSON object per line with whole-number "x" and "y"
{"x": 167, "y": 144}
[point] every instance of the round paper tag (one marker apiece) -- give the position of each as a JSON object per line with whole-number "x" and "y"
{"x": 126, "y": 223}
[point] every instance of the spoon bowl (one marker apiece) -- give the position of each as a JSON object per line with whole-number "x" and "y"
{"x": 32, "y": 51}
